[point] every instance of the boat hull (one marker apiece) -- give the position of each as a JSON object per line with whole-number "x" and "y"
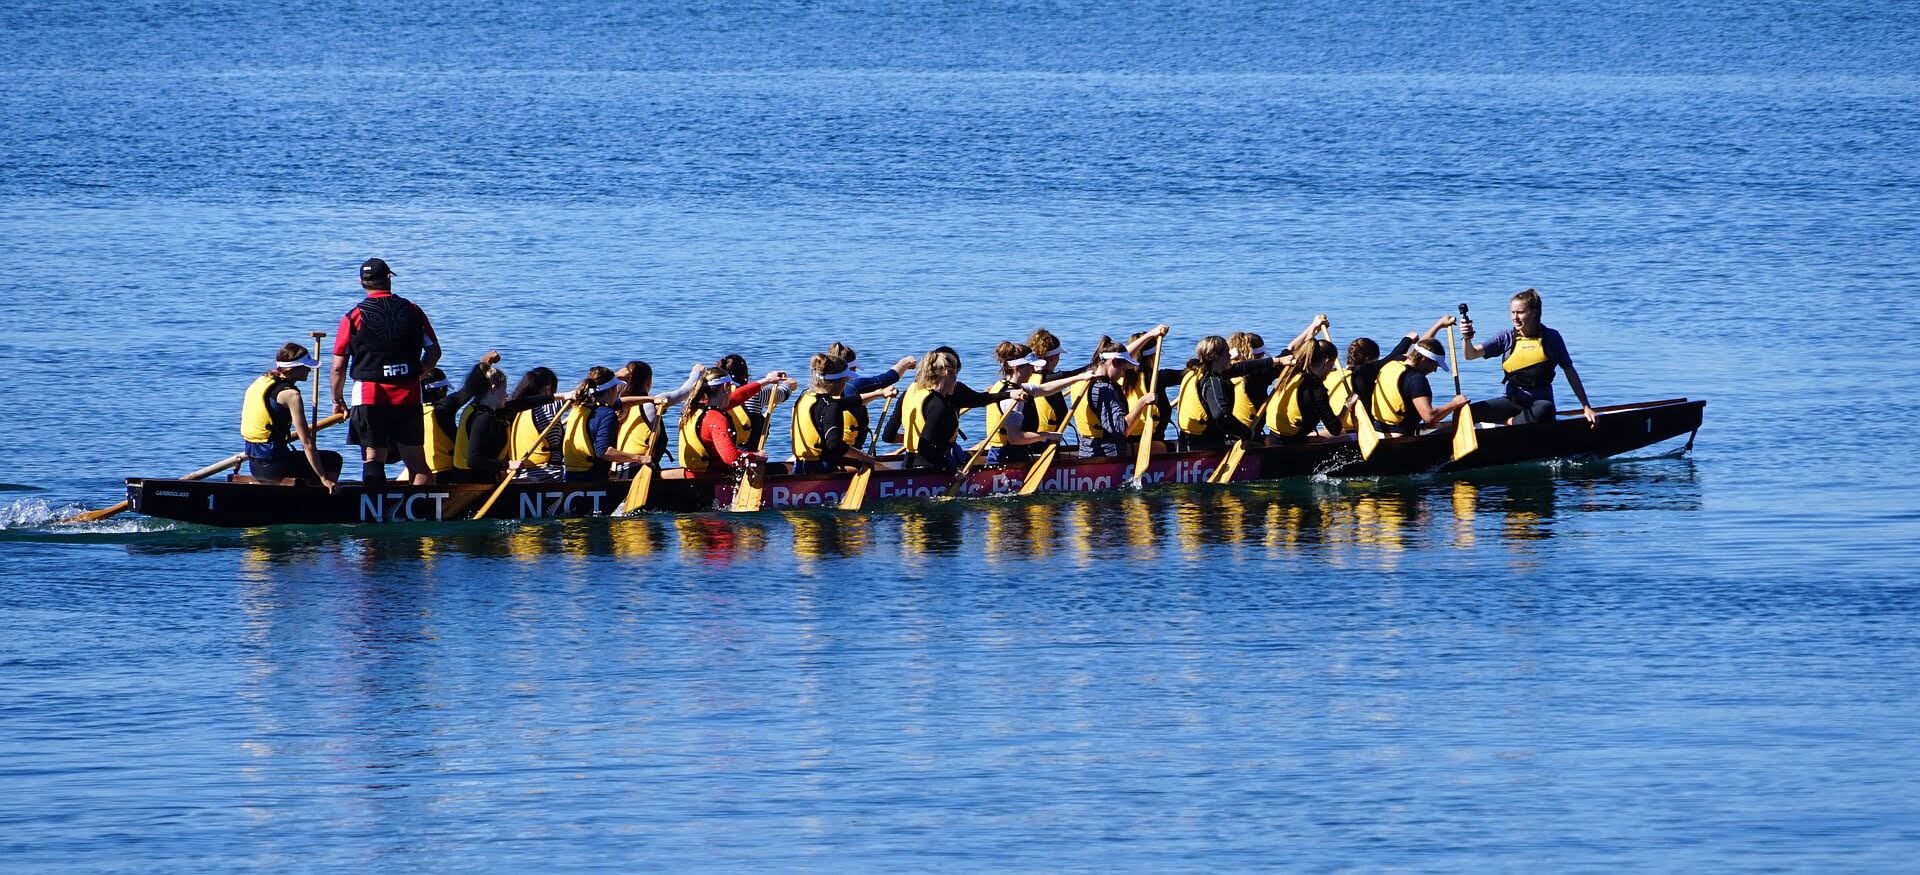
{"x": 245, "y": 504}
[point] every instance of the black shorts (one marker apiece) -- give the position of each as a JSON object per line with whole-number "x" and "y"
{"x": 386, "y": 426}
{"x": 293, "y": 463}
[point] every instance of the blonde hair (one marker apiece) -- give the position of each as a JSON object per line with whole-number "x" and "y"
{"x": 1206, "y": 352}
{"x": 698, "y": 398}
{"x": 1243, "y": 343}
{"x": 937, "y": 365}
{"x": 823, "y": 363}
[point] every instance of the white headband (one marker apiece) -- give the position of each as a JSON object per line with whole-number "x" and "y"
{"x": 1435, "y": 357}
{"x": 1057, "y": 351}
{"x": 841, "y": 374}
{"x": 306, "y": 361}
{"x": 1259, "y": 351}
{"x": 718, "y": 382}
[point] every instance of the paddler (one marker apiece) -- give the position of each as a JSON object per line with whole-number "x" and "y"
{"x": 825, "y": 428}
{"x": 386, "y": 343}
{"x": 1015, "y": 428}
{"x": 443, "y": 410}
{"x": 1204, "y": 409}
{"x": 641, "y": 413}
{"x": 1107, "y": 416}
{"x": 931, "y": 411}
{"x": 272, "y": 416}
{"x": 711, "y": 439}
{"x": 751, "y": 414}
{"x": 1402, "y": 395}
{"x": 1364, "y": 363}
{"x": 1053, "y": 408}
{"x": 1258, "y": 370}
{"x": 1304, "y": 403}
{"x": 1529, "y": 352}
{"x": 864, "y": 389}
{"x": 534, "y": 406}
{"x": 589, "y": 436}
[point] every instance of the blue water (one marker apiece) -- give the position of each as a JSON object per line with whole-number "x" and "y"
{"x": 1677, "y": 660}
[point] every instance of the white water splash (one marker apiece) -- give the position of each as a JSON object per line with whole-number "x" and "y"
{"x": 32, "y": 513}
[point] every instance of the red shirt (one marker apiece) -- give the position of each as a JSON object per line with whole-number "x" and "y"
{"x": 359, "y": 392}
{"x": 717, "y": 431}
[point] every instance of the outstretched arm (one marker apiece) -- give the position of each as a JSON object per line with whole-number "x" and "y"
{"x": 1137, "y": 347}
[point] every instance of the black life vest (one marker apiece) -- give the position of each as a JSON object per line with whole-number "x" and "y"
{"x": 386, "y": 344}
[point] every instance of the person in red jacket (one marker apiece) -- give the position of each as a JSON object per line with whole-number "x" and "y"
{"x": 711, "y": 441}
{"x": 385, "y": 342}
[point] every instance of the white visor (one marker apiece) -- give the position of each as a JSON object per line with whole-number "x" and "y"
{"x": 1432, "y": 356}
{"x": 1027, "y": 361}
{"x": 718, "y": 382}
{"x": 306, "y": 361}
{"x": 437, "y": 384}
{"x": 611, "y": 386}
{"x": 1259, "y": 352}
{"x": 1120, "y": 356}
{"x": 841, "y": 374}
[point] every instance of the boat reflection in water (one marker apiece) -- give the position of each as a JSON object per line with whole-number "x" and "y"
{"x": 1356, "y": 524}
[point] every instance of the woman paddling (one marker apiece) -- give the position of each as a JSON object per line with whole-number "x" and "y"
{"x": 1529, "y": 352}
{"x": 1304, "y": 403}
{"x": 1108, "y": 415}
{"x": 751, "y": 414}
{"x": 1204, "y": 412}
{"x": 642, "y": 413}
{"x": 825, "y": 429}
{"x": 589, "y": 437}
{"x": 272, "y": 417}
{"x": 1402, "y": 396}
{"x": 712, "y": 439}
{"x": 1015, "y": 428}
{"x": 863, "y": 390}
{"x": 535, "y": 406}
{"x": 1363, "y": 366}
{"x": 931, "y": 418}
{"x": 443, "y": 411}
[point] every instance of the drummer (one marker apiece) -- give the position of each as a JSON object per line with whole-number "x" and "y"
{"x": 1529, "y": 352}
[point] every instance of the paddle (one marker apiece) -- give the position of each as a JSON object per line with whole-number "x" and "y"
{"x": 539, "y": 439}
{"x": 749, "y": 494}
{"x": 973, "y": 461}
{"x": 1152, "y": 427}
{"x": 1036, "y": 472}
{"x": 856, "y": 496}
{"x": 642, "y": 486}
{"x": 1362, "y": 420}
{"x": 233, "y": 461}
{"x": 314, "y": 415}
{"x": 1465, "y": 441}
{"x": 1223, "y": 473}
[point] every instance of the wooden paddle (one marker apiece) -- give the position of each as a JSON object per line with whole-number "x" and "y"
{"x": 856, "y": 496}
{"x": 1152, "y": 427}
{"x": 973, "y": 461}
{"x": 1465, "y": 441}
{"x": 317, "y": 336}
{"x": 641, "y": 488}
{"x": 1362, "y": 420}
{"x": 1036, "y": 472}
{"x": 749, "y": 494}
{"x": 233, "y": 461}
{"x": 538, "y": 440}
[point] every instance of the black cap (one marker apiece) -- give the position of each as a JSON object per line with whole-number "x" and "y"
{"x": 374, "y": 269}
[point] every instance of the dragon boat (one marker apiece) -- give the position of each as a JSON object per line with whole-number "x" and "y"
{"x": 238, "y": 502}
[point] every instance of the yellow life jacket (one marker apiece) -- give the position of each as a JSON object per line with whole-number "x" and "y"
{"x": 1526, "y": 364}
{"x": 913, "y": 416}
{"x": 1131, "y": 393}
{"x": 1084, "y": 420}
{"x": 636, "y": 433}
{"x": 695, "y": 455}
{"x": 1049, "y": 413}
{"x": 576, "y": 441}
{"x": 1191, "y": 414}
{"x": 460, "y": 438}
{"x": 1337, "y": 395}
{"x": 258, "y": 422}
{"x": 1243, "y": 406}
{"x": 1388, "y": 407}
{"x": 806, "y": 435}
{"x": 1285, "y": 414}
{"x": 439, "y": 444}
{"x": 524, "y": 436}
{"x": 996, "y": 412}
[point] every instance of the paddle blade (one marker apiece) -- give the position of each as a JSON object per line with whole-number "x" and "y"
{"x": 1037, "y": 472}
{"x": 857, "y": 490}
{"x": 1145, "y": 455}
{"x": 640, "y": 490}
{"x": 1369, "y": 436}
{"x": 1230, "y": 464}
{"x": 1465, "y": 439}
{"x": 94, "y": 516}
{"x": 748, "y": 495}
